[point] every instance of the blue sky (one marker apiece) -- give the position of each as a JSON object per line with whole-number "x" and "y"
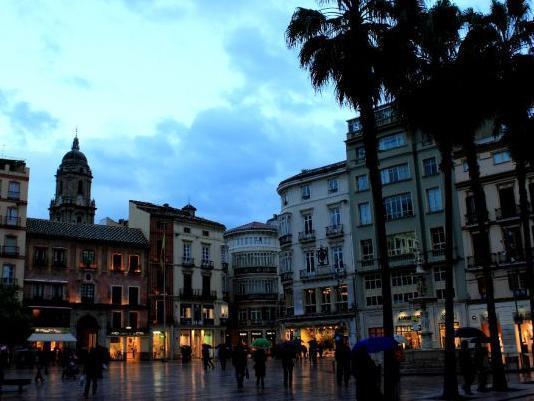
{"x": 173, "y": 100}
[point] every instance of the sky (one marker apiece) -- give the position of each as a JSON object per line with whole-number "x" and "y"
{"x": 175, "y": 101}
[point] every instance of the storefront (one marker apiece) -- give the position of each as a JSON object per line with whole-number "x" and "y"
{"x": 128, "y": 345}
{"x": 158, "y": 344}
{"x": 322, "y": 334}
{"x": 194, "y": 338}
{"x": 408, "y": 325}
{"x": 52, "y": 338}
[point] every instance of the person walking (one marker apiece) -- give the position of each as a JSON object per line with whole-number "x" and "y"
{"x": 222, "y": 354}
{"x": 481, "y": 366}
{"x": 466, "y": 366}
{"x": 367, "y": 376}
{"x": 313, "y": 352}
{"x": 39, "y": 358}
{"x": 239, "y": 360}
{"x": 288, "y": 354}
{"x": 206, "y": 357}
{"x": 260, "y": 358}
{"x": 92, "y": 370}
{"x": 342, "y": 357}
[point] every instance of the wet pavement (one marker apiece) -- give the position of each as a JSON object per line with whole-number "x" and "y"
{"x": 174, "y": 381}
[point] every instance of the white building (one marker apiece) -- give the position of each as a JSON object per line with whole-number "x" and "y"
{"x": 316, "y": 261}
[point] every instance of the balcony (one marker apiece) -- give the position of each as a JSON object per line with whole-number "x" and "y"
{"x": 88, "y": 300}
{"x": 188, "y": 262}
{"x": 11, "y": 221}
{"x": 285, "y": 239}
{"x": 405, "y": 259}
{"x": 10, "y": 251}
{"x": 197, "y": 295}
{"x": 13, "y": 195}
{"x": 398, "y": 216}
{"x": 208, "y": 322}
{"x": 8, "y": 282}
{"x": 334, "y": 231}
{"x": 507, "y": 213}
{"x": 365, "y": 265}
{"x": 471, "y": 218}
{"x": 206, "y": 264}
{"x": 40, "y": 262}
{"x": 307, "y": 236}
{"x": 48, "y": 301}
{"x": 59, "y": 264}
{"x": 323, "y": 273}
{"x": 256, "y": 296}
{"x": 499, "y": 259}
{"x": 384, "y": 115}
{"x": 286, "y": 276}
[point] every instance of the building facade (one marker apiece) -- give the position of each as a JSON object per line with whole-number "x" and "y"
{"x": 316, "y": 260}
{"x": 72, "y": 202}
{"x": 253, "y": 254}
{"x": 413, "y": 199}
{"x": 90, "y": 281}
{"x": 188, "y": 268}
{"x": 506, "y": 244}
{"x": 14, "y": 180}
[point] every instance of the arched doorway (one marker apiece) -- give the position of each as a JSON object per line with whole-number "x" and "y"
{"x": 87, "y": 332}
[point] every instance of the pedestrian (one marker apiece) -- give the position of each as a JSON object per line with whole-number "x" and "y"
{"x": 222, "y": 355}
{"x": 481, "y": 366}
{"x": 92, "y": 370}
{"x": 260, "y": 358}
{"x": 466, "y": 366}
{"x": 39, "y": 364}
{"x": 342, "y": 357}
{"x": 367, "y": 376}
{"x": 206, "y": 357}
{"x": 313, "y": 352}
{"x": 288, "y": 354}
{"x": 239, "y": 360}
{"x": 320, "y": 349}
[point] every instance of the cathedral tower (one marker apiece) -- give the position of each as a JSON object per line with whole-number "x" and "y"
{"x": 72, "y": 202}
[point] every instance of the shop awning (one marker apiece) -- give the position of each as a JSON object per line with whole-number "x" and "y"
{"x": 47, "y": 337}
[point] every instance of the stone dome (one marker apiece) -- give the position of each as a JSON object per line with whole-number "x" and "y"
{"x": 74, "y": 155}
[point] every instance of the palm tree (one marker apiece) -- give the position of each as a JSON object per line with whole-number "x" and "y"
{"x": 341, "y": 46}
{"x": 426, "y": 99}
{"x": 513, "y": 33}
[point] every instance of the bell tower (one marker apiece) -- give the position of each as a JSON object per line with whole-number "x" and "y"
{"x": 72, "y": 202}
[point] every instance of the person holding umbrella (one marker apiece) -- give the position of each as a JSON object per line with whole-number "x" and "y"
{"x": 288, "y": 353}
{"x": 466, "y": 367}
{"x": 260, "y": 358}
{"x": 206, "y": 357}
{"x": 239, "y": 360}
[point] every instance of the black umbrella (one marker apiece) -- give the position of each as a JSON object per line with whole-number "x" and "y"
{"x": 469, "y": 332}
{"x": 480, "y": 340}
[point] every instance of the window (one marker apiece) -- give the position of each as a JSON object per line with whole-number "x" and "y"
{"x": 187, "y": 230}
{"x": 398, "y": 298}
{"x": 332, "y": 185}
{"x": 401, "y": 244}
{"x": 116, "y": 295}
{"x": 13, "y": 190}
{"x": 360, "y": 154}
{"x": 205, "y": 253}
{"x": 433, "y": 197}
{"x": 335, "y": 216}
{"x": 284, "y": 199}
{"x": 88, "y": 257}
{"x": 87, "y": 293}
{"x": 310, "y": 261}
{"x": 58, "y": 255}
{"x": 255, "y": 314}
{"x": 309, "y": 297}
{"x": 394, "y": 174}
{"x": 187, "y": 251}
{"x": 132, "y": 317}
{"x": 242, "y": 315}
{"x": 430, "y": 167}
{"x": 398, "y": 206}
{"x": 117, "y": 262}
{"x": 40, "y": 257}
{"x": 374, "y": 300}
{"x": 337, "y": 257}
{"x": 391, "y": 141}
{"x": 134, "y": 263}
{"x": 8, "y": 274}
{"x": 362, "y": 183}
{"x": 133, "y": 296}
{"x": 437, "y": 235}
{"x": 207, "y": 312}
{"x": 440, "y": 293}
{"x": 376, "y": 331}
{"x": 364, "y": 210}
{"x": 373, "y": 281}
{"x": 12, "y": 218}
{"x": 10, "y": 245}
{"x": 366, "y": 246}
{"x": 80, "y": 187}
{"x": 116, "y": 320}
{"x": 206, "y": 285}
{"x": 305, "y": 191}
{"x": 465, "y": 166}
{"x": 501, "y": 157}
{"x": 326, "y": 298}
{"x": 308, "y": 224}
{"x": 440, "y": 273}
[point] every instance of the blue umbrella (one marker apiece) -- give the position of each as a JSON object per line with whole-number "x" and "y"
{"x": 375, "y": 344}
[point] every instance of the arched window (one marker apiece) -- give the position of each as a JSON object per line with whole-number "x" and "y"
{"x": 60, "y": 187}
{"x": 80, "y": 187}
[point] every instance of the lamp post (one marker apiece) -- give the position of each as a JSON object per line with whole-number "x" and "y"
{"x": 424, "y": 297}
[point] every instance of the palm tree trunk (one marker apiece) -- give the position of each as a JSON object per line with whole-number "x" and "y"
{"x": 450, "y": 379}
{"x": 368, "y": 121}
{"x": 497, "y": 367}
{"x": 521, "y": 173}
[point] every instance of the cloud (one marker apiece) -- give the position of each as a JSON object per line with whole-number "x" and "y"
{"x": 78, "y": 82}
{"x": 24, "y": 118}
{"x": 157, "y": 10}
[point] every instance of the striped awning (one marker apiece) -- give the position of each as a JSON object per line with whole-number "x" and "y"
{"x": 47, "y": 337}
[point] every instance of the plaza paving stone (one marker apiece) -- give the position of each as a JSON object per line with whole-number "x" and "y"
{"x": 174, "y": 381}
